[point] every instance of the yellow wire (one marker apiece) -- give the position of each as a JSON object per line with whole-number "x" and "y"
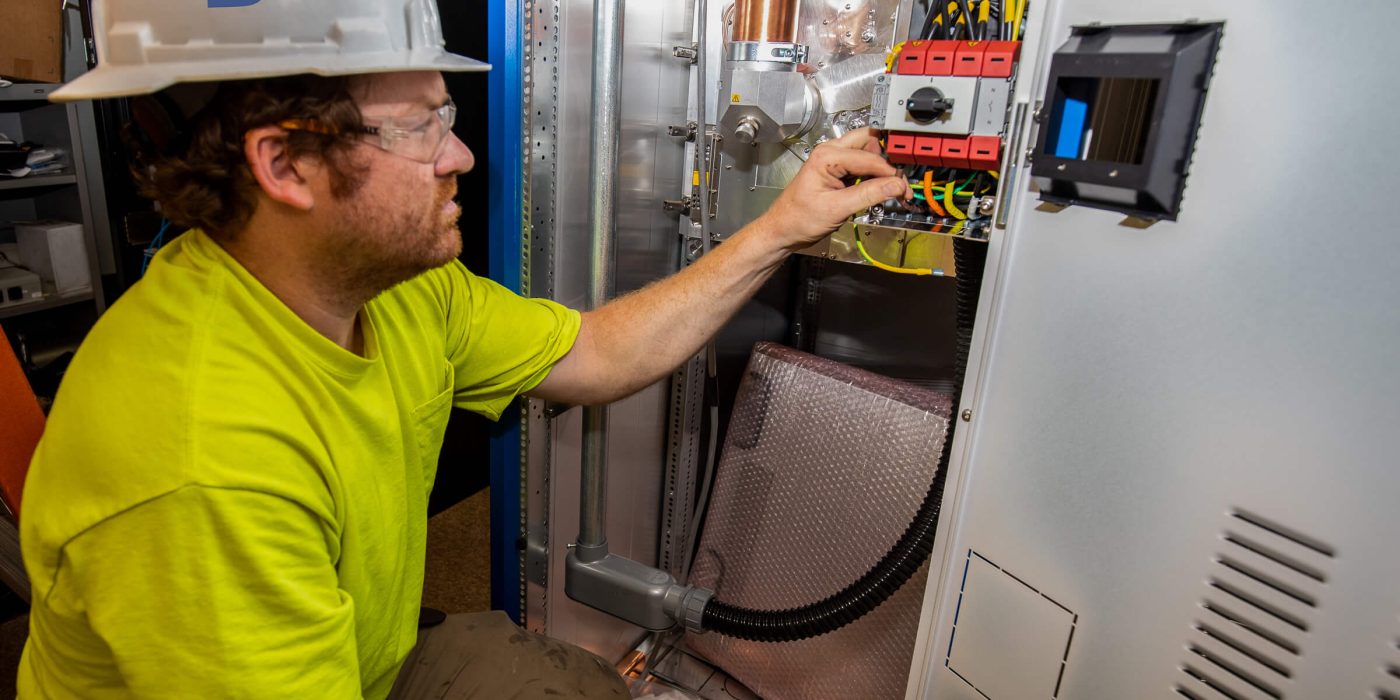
{"x": 889, "y": 57}
{"x": 888, "y": 268}
{"x": 948, "y": 202}
{"x": 985, "y": 11}
{"x": 1020, "y": 15}
{"x": 994, "y": 174}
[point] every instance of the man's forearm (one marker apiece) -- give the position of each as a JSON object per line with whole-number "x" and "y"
{"x": 639, "y": 338}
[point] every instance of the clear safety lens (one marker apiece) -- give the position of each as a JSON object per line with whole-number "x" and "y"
{"x": 419, "y": 136}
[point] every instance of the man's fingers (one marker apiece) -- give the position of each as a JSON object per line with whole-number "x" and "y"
{"x": 860, "y": 139}
{"x": 844, "y": 162}
{"x": 869, "y": 193}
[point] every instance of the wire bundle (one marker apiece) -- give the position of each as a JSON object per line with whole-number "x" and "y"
{"x": 971, "y": 20}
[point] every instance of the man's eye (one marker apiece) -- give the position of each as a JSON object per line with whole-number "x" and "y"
{"x": 418, "y": 126}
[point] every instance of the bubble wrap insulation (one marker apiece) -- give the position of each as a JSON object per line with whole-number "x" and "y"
{"x": 823, "y": 468}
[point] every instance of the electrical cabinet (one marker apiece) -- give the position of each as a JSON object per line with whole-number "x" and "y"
{"x": 1169, "y": 475}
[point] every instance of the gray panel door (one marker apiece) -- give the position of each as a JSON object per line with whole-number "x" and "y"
{"x": 1181, "y": 478}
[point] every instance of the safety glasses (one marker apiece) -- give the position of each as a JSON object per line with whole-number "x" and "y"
{"x": 420, "y": 136}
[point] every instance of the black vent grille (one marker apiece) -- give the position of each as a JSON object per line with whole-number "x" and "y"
{"x": 1262, "y": 594}
{"x": 1389, "y": 689}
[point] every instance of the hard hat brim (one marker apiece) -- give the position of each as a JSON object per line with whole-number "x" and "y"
{"x": 125, "y": 81}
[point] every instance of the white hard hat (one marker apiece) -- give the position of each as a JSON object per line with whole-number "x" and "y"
{"x": 144, "y": 46}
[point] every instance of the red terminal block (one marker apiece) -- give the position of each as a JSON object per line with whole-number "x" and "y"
{"x": 928, "y": 150}
{"x": 940, "y": 57}
{"x": 1000, "y": 58}
{"x": 968, "y": 60}
{"x": 955, "y": 152}
{"x": 911, "y": 58}
{"x": 899, "y": 148}
{"x": 984, "y": 153}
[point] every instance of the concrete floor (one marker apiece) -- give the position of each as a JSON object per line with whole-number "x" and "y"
{"x": 458, "y": 576}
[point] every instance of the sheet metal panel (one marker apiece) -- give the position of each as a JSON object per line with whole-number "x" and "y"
{"x": 650, "y": 169}
{"x": 1141, "y": 386}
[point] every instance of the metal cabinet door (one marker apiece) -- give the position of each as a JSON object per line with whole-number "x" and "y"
{"x": 1180, "y": 469}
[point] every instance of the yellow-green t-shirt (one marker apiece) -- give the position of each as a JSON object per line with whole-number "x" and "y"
{"x": 227, "y": 504}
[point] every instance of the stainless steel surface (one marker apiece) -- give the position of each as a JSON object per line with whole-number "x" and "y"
{"x": 1138, "y": 390}
{"x": 834, "y": 29}
{"x": 651, "y": 167}
{"x": 765, "y": 20}
{"x": 767, "y": 106}
{"x": 824, "y": 467}
{"x": 845, "y": 84}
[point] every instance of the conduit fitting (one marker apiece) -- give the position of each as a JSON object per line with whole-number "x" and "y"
{"x": 646, "y": 597}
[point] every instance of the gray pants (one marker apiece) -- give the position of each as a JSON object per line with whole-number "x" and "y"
{"x": 486, "y": 656}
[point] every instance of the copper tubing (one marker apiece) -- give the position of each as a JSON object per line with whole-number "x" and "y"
{"x": 765, "y": 20}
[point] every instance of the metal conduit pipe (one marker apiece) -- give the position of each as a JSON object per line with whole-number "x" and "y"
{"x": 605, "y": 123}
{"x": 765, "y": 20}
{"x": 640, "y": 594}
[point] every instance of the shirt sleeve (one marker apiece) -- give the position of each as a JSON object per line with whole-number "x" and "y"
{"x": 501, "y": 344}
{"x": 212, "y": 593}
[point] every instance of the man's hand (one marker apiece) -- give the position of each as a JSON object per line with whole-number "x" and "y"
{"x": 641, "y": 337}
{"x": 818, "y": 201}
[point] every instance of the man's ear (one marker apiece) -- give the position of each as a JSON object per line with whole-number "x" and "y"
{"x": 281, "y": 178}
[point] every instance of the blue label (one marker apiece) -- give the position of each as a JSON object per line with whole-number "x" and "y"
{"x": 1072, "y": 123}
{"x": 232, "y": 3}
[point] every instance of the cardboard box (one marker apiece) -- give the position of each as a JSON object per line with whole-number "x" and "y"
{"x": 57, "y": 252}
{"x": 32, "y": 45}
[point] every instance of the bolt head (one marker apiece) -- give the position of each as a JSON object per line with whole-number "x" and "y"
{"x": 967, "y": 415}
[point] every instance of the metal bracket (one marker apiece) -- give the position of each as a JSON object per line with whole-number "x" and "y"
{"x": 689, "y": 131}
{"x": 689, "y": 53}
{"x": 680, "y": 206}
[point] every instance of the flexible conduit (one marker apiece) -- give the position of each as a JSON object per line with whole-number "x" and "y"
{"x": 913, "y": 547}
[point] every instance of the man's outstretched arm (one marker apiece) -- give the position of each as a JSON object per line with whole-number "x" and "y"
{"x": 637, "y": 339}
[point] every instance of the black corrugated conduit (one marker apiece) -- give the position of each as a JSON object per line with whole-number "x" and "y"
{"x": 913, "y": 547}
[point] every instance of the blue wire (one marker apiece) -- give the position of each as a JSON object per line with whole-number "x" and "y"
{"x": 156, "y": 243}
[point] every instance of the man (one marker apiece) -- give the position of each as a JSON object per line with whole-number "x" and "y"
{"x": 230, "y": 498}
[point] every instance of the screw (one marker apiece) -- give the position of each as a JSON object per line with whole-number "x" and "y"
{"x": 967, "y": 415}
{"x": 1113, "y": 173}
{"x": 1061, "y": 167}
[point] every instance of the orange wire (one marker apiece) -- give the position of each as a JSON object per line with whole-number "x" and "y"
{"x": 928, "y": 195}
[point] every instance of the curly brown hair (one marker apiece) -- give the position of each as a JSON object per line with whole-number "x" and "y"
{"x": 198, "y": 171}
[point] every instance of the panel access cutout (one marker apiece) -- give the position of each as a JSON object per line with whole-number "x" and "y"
{"x": 1009, "y": 639}
{"x": 1120, "y": 116}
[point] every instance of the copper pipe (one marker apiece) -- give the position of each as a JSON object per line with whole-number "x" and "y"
{"x": 765, "y": 20}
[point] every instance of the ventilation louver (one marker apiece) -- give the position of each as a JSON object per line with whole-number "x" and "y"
{"x": 1389, "y": 688}
{"x": 1262, "y": 595}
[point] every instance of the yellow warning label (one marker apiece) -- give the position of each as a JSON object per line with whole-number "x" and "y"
{"x": 735, "y": 97}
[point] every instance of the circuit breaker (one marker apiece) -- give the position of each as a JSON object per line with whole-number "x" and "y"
{"x": 944, "y": 103}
